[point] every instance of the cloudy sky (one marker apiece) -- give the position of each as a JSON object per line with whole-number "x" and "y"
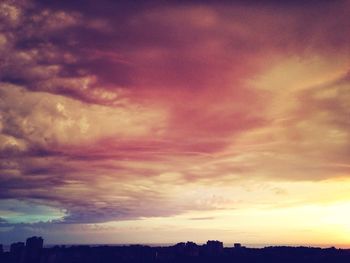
{"x": 167, "y": 121}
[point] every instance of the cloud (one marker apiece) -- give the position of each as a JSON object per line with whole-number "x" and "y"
{"x": 15, "y": 211}
{"x": 125, "y": 111}
{"x": 202, "y": 218}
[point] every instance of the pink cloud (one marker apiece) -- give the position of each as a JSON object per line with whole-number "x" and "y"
{"x": 107, "y": 123}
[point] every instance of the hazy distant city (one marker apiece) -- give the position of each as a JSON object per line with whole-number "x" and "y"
{"x": 33, "y": 251}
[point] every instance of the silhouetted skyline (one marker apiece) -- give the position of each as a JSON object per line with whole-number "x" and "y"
{"x": 212, "y": 251}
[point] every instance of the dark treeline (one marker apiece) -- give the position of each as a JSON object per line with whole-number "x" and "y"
{"x": 213, "y": 251}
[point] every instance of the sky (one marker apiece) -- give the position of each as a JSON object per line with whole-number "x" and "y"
{"x": 168, "y": 121}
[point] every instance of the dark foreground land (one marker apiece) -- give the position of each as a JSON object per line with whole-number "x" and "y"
{"x": 33, "y": 252}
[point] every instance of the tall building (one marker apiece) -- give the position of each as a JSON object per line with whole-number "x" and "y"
{"x": 34, "y": 243}
{"x": 191, "y": 249}
{"x": 17, "y": 248}
{"x": 214, "y": 246}
{"x": 17, "y": 252}
{"x": 33, "y": 250}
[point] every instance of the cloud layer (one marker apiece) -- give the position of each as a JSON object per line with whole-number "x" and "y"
{"x": 123, "y": 111}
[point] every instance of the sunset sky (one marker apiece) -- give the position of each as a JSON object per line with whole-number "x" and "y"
{"x": 168, "y": 121}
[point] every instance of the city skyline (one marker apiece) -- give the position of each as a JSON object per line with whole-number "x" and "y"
{"x": 165, "y": 121}
{"x": 33, "y": 251}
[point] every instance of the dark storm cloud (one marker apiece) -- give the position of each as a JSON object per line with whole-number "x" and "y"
{"x": 54, "y": 45}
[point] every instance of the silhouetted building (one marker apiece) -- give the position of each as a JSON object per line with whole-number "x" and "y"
{"x": 214, "y": 247}
{"x": 17, "y": 247}
{"x": 17, "y": 252}
{"x": 191, "y": 249}
{"x": 237, "y": 245}
{"x": 33, "y": 250}
{"x": 180, "y": 248}
{"x": 188, "y": 252}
